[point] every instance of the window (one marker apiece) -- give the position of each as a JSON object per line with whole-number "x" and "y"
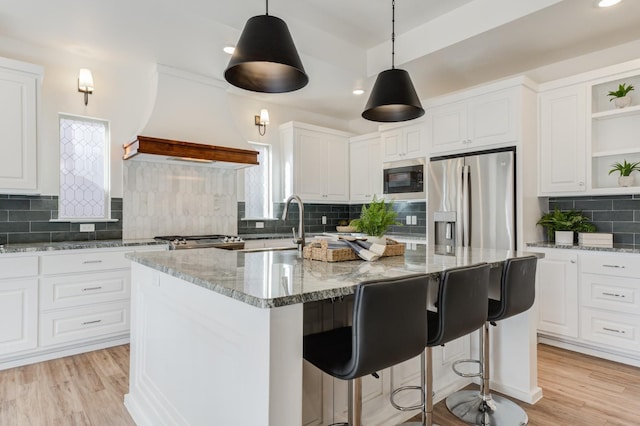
{"x": 84, "y": 168}
{"x": 257, "y": 185}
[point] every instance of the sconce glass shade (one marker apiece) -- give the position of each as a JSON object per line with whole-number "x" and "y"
{"x": 265, "y": 59}
{"x": 85, "y": 80}
{"x": 264, "y": 116}
{"x": 393, "y": 98}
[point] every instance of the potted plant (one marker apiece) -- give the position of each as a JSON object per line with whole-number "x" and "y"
{"x": 621, "y": 96}
{"x": 561, "y": 225}
{"x": 625, "y": 169}
{"x": 376, "y": 219}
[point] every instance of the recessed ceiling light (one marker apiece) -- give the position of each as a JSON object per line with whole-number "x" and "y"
{"x": 229, "y": 49}
{"x": 358, "y": 92}
{"x": 607, "y": 3}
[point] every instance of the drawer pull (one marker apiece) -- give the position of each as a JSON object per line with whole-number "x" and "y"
{"x": 613, "y": 294}
{"x": 91, "y": 322}
{"x": 613, "y": 266}
{"x": 613, "y": 330}
{"x": 92, "y": 261}
{"x": 91, "y": 288}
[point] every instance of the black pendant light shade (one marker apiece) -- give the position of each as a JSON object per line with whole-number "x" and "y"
{"x": 265, "y": 58}
{"x": 393, "y": 98}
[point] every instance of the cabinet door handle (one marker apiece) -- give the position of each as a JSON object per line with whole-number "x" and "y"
{"x": 91, "y": 322}
{"x": 91, "y": 288}
{"x": 614, "y": 266}
{"x": 92, "y": 261}
{"x": 573, "y": 261}
{"x": 613, "y": 330}
{"x": 613, "y": 294}
{"x": 580, "y": 183}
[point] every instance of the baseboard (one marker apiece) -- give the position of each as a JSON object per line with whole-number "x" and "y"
{"x": 529, "y": 397}
{"x": 585, "y": 348}
{"x": 59, "y": 352}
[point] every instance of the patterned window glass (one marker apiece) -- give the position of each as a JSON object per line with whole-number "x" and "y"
{"x": 257, "y": 185}
{"x": 84, "y": 168}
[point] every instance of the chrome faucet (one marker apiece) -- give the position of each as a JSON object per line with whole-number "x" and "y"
{"x": 299, "y": 240}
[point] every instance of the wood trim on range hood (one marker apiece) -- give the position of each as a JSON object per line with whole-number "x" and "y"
{"x": 189, "y": 151}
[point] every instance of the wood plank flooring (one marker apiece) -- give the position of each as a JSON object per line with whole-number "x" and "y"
{"x": 88, "y": 389}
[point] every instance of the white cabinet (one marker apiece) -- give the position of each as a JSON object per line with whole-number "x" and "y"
{"x": 478, "y": 121}
{"x": 18, "y": 304}
{"x": 557, "y": 293}
{"x": 19, "y": 94}
{"x": 404, "y": 142}
{"x": 365, "y": 168}
{"x": 315, "y": 162}
{"x": 563, "y": 130}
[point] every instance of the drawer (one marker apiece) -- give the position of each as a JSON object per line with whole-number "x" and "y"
{"x": 80, "y": 261}
{"x": 609, "y": 329}
{"x": 18, "y": 266}
{"x": 85, "y": 323}
{"x": 621, "y": 265}
{"x": 66, "y": 291}
{"x": 613, "y": 293}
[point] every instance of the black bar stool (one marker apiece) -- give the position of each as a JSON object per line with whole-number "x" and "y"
{"x": 389, "y": 327}
{"x": 461, "y": 304}
{"x": 517, "y": 294}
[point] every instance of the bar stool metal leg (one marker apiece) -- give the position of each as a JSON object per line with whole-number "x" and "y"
{"x": 481, "y": 408}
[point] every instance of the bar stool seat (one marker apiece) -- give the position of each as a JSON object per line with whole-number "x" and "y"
{"x": 389, "y": 326}
{"x": 517, "y": 294}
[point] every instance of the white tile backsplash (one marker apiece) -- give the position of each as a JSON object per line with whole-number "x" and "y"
{"x": 174, "y": 199}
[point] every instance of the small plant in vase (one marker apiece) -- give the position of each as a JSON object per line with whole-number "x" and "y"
{"x": 561, "y": 225}
{"x": 625, "y": 169}
{"x": 621, "y": 97}
{"x": 376, "y": 219}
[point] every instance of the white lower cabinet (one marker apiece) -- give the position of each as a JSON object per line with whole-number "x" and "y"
{"x": 590, "y": 302}
{"x": 62, "y": 303}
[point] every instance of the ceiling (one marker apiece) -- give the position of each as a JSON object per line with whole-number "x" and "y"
{"x": 445, "y": 45}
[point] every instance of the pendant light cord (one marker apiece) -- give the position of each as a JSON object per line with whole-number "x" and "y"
{"x": 393, "y": 33}
{"x": 268, "y": 8}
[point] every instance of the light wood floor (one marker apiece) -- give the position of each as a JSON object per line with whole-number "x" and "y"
{"x": 88, "y": 389}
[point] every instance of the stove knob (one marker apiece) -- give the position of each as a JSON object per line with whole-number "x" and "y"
{"x": 176, "y": 241}
{"x": 240, "y": 240}
{"x": 183, "y": 241}
{"x": 226, "y": 239}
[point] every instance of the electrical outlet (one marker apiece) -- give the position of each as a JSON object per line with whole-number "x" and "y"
{"x": 324, "y": 220}
{"x": 408, "y": 220}
{"x": 87, "y": 227}
{"x": 260, "y": 225}
{"x": 414, "y": 220}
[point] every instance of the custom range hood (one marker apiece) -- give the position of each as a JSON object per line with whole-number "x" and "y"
{"x": 191, "y": 121}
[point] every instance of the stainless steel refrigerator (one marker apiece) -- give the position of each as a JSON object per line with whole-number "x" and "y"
{"x": 471, "y": 200}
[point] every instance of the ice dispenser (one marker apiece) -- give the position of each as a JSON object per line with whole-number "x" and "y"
{"x": 444, "y": 228}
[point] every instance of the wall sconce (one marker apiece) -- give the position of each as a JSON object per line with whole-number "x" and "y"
{"x": 85, "y": 83}
{"x": 261, "y": 121}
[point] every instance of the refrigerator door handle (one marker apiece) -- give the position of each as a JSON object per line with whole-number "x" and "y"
{"x": 459, "y": 234}
{"x": 466, "y": 237}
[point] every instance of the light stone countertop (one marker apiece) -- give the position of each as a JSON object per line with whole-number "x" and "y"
{"x": 277, "y": 278}
{"x": 75, "y": 245}
{"x": 617, "y": 248}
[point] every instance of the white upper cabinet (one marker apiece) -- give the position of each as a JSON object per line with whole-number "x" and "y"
{"x": 315, "y": 162}
{"x": 563, "y": 129}
{"x": 19, "y": 92}
{"x": 478, "y": 121}
{"x": 402, "y": 143}
{"x": 365, "y": 167}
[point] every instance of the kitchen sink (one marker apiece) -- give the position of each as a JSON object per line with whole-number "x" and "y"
{"x": 260, "y": 249}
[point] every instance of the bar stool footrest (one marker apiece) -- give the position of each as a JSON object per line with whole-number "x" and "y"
{"x": 464, "y": 361}
{"x": 410, "y": 408}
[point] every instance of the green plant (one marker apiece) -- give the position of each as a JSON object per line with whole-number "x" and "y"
{"x": 625, "y": 169}
{"x": 375, "y": 219}
{"x": 622, "y": 91}
{"x": 569, "y": 220}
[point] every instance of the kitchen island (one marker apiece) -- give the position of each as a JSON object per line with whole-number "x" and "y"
{"x": 216, "y": 336}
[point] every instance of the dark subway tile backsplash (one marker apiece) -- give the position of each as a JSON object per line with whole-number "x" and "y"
{"x": 25, "y": 219}
{"x": 618, "y": 214}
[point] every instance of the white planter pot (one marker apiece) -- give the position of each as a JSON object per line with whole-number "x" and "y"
{"x": 564, "y": 238}
{"x": 626, "y": 180}
{"x": 622, "y": 102}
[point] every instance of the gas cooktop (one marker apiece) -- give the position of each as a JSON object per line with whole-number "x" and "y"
{"x": 180, "y": 242}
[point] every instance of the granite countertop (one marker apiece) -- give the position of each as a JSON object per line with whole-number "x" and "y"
{"x": 277, "y": 278}
{"x": 617, "y": 248}
{"x": 75, "y": 245}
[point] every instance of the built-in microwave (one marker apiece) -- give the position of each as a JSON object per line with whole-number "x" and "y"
{"x": 404, "y": 180}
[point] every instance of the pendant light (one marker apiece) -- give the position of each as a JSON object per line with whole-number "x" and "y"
{"x": 393, "y": 97}
{"x": 265, "y": 58}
